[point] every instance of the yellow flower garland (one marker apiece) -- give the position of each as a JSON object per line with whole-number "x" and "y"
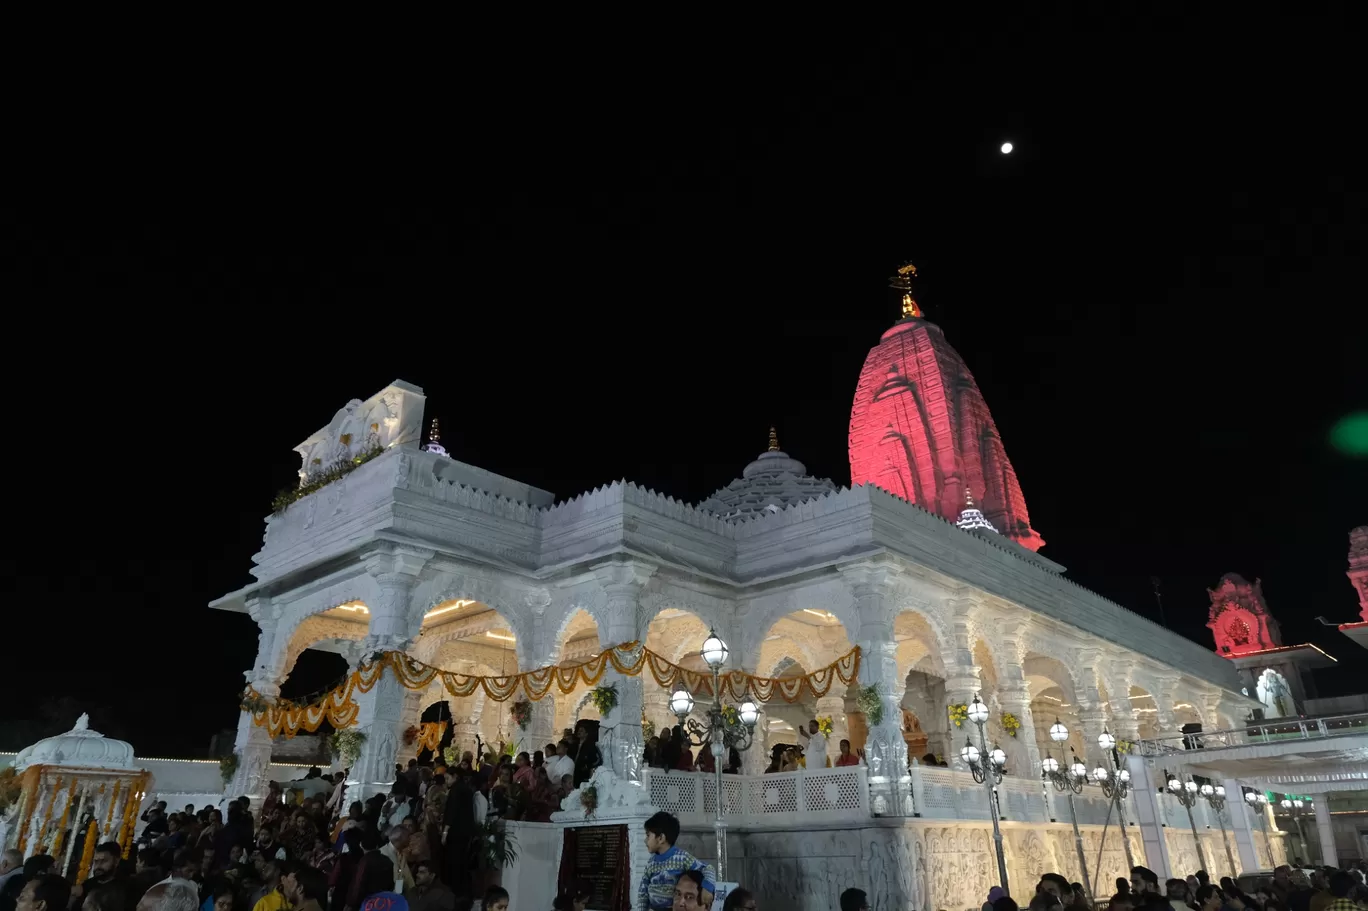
{"x": 61, "y": 823}
{"x": 338, "y": 707}
{"x": 92, "y": 836}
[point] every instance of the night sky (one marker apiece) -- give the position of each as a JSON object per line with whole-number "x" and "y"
{"x": 630, "y": 267}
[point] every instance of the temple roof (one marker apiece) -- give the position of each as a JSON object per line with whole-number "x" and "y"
{"x": 771, "y": 483}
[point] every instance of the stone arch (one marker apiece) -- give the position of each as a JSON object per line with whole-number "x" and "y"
{"x": 505, "y": 601}
{"x": 1145, "y": 711}
{"x": 484, "y": 627}
{"x": 1054, "y": 697}
{"x": 282, "y": 620}
{"x": 831, "y": 597}
{"x": 577, "y": 626}
{"x": 342, "y": 634}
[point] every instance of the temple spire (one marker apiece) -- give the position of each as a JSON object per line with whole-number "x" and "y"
{"x": 903, "y": 282}
{"x": 773, "y": 441}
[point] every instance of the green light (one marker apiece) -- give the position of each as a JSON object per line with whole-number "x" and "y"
{"x": 1350, "y": 434}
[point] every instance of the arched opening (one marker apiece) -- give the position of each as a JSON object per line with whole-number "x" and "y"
{"x": 577, "y": 642}
{"x": 926, "y": 726}
{"x": 797, "y": 644}
{"x": 1053, "y": 698}
{"x": 677, "y": 635}
{"x": 1146, "y": 712}
{"x": 468, "y": 637}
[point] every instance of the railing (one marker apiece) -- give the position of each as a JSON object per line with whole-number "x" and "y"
{"x": 781, "y": 800}
{"x": 1254, "y": 733}
{"x": 843, "y": 795}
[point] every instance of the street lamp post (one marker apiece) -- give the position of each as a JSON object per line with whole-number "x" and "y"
{"x": 1186, "y": 792}
{"x": 1294, "y": 809}
{"x": 986, "y": 766}
{"x": 1068, "y": 782}
{"x": 1259, "y": 802}
{"x": 1115, "y": 783}
{"x": 724, "y": 731}
{"x": 1216, "y": 799}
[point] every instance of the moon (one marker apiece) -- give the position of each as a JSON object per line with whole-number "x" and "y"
{"x": 1006, "y": 148}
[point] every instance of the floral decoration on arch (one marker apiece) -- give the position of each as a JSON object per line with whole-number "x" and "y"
{"x": 1011, "y": 724}
{"x": 522, "y": 714}
{"x": 959, "y": 713}
{"x": 338, "y": 706}
{"x": 824, "y": 725}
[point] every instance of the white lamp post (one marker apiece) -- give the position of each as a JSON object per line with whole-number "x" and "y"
{"x": 719, "y": 734}
{"x": 989, "y": 774}
{"x": 1115, "y": 781}
{"x": 1186, "y": 792}
{"x": 1068, "y": 782}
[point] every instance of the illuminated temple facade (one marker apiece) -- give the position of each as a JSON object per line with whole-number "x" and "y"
{"x": 472, "y": 571}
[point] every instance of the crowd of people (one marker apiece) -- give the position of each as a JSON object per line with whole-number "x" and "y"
{"x": 426, "y": 846}
{"x": 1290, "y": 888}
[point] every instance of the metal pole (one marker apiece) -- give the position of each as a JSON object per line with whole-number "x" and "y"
{"x": 1201, "y": 854}
{"x": 988, "y": 773}
{"x": 1230, "y": 858}
{"x": 1078, "y": 843}
{"x": 1121, "y": 817}
{"x": 719, "y": 821}
{"x": 1268, "y": 844}
{"x": 1301, "y": 833}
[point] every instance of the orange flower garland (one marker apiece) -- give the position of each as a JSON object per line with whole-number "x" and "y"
{"x": 430, "y": 735}
{"x": 339, "y": 708}
{"x": 109, "y": 816}
{"x": 66, "y": 812}
{"x": 92, "y": 836}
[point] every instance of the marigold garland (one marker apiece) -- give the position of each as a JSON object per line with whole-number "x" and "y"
{"x": 338, "y": 706}
{"x": 61, "y": 823}
{"x": 88, "y": 852}
{"x": 430, "y": 735}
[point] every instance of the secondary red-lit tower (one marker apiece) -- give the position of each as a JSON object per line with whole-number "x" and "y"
{"x": 920, "y": 428}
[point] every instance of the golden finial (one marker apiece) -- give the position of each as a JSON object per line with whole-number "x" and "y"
{"x": 903, "y": 282}
{"x": 774, "y": 441}
{"x": 435, "y": 434}
{"x": 968, "y": 497}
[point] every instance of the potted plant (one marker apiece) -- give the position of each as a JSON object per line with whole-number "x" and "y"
{"x": 605, "y": 698}
{"x": 589, "y": 799}
{"x": 228, "y": 767}
{"x": 495, "y": 849}
{"x": 346, "y": 745}
{"x": 522, "y": 714}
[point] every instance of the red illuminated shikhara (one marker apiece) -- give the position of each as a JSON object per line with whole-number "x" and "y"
{"x": 1239, "y": 619}
{"x": 921, "y": 429}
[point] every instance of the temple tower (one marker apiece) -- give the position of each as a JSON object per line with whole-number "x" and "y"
{"x": 920, "y": 428}
{"x": 1358, "y": 566}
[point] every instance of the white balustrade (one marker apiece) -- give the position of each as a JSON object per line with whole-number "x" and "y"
{"x": 1258, "y": 732}
{"x": 780, "y": 800}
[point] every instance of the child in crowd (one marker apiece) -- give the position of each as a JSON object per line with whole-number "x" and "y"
{"x": 665, "y": 865}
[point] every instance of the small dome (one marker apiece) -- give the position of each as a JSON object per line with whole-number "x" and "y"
{"x": 80, "y": 747}
{"x": 771, "y": 483}
{"x": 971, "y": 518}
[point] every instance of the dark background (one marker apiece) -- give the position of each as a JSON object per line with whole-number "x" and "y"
{"x": 631, "y": 263}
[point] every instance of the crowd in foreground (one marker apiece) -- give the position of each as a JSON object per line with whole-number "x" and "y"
{"x": 427, "y": 845}
{"x": 1290, "y": 888}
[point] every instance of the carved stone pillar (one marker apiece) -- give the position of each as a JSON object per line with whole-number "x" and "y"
{"x": 394, "y": 624}
{"x": 871, "y": 584}
{"x": 1165, "y": 694}
{"x": 620, "y": 732}
{"x": 253, "y": 743}
{"x": 541, "y": 729}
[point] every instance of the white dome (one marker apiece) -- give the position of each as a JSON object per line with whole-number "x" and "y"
{"x": 79, "y": 747}
{"x": 770, "y": 484}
